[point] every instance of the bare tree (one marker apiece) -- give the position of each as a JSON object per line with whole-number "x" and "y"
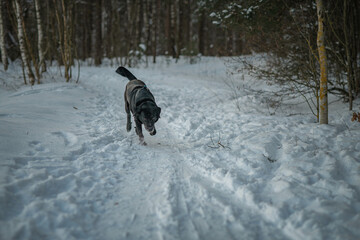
{"x": 148, "y": 21}
{"x": 65, "y": 35}
{"x": 201, "y": 38}
{"x": 349, "y": 69}
{"x": 323, "y": 63}
{"x": 23, "y": 52}
{"x": 2, "y": 39}
{"x": 155, "y": 26}
{"x": 98, "y": 33}
{"x": 40, "y": 37}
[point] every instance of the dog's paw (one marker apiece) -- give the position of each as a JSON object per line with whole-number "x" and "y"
{"x": 142, "y": 142}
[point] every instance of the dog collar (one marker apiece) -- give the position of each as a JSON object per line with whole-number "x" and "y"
{"x": 141, "y": 87}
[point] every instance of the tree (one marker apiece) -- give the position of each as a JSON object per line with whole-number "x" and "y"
{"x": 2, "y": 38}
{"x": 40, "y": 37}
{"x": 24, "y": 57}
{"x": 323, "y": 63}
{"x": 155, "y": 27}
{"x": 98, "y": 33}
{"x": 349, "y": 65}
{"x": 65, "y": 29}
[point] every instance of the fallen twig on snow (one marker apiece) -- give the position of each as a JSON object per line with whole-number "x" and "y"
{"x": 218, "y": 144}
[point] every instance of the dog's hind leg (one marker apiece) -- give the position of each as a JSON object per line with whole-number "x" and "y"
{"x": 139, "y": 132}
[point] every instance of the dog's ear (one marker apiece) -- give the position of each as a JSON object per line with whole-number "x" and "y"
{"x": 159, "y": 111}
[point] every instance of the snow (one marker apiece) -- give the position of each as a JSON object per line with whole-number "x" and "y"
{"x": 69, "y": 169}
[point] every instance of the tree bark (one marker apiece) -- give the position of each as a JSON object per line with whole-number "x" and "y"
{"x": 2, "y": 39}
{"x": 40, "y": 37}
{"x": 66, "y": 42}
{"x": 356, "y": 36}
{"x": 22, "y": 46}
{"x": 65, "y": 36}
{"x": 201, "y": 34}
{"x": 147, "y": 18}
{"x": 138, "y": 34}
{"x": 323, "y": 63}
{"x": 173, "y": 29}
{"x": 178, "y": 33}
{"x": 155, "y": 26}
{"x": 130, "y": 31}
{"x": 348, "y": 56}
{"x": 98, "y": 33}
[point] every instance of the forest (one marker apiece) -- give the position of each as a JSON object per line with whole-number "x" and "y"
{"x": 41, "y": 33}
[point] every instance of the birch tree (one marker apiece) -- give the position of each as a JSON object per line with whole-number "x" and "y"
{"x": 323, "y": 63}
{"x": 2, "y": 39}
{"x": 20, "y": 33}
{"x": 40, "y": 37}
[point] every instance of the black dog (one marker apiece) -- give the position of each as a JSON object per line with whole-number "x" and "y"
{"x": 140, "y": 101}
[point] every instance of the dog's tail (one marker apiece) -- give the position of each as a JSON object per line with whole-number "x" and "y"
{"x": 125, "y": 73}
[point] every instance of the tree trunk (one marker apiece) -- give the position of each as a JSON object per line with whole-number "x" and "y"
{"x": 170, "y": 29}
{"x": 147, "y": 18}
{"x": 98, "y": 33}
{"x": 138, "y": 34}
{"x": 155, "y": 26}
{"x": 173, "y": 29}
{"x": 356, "y": 36}
{"x": 178, "y": 33}
{"x": 2, "y": 39}
{"x": 185, "y": 26}
{"x": 22, "y": 46}
{"x": 323, "y": 63}
{"x": 40, "y": 37}
{"x": 201, "y": 34}
{"x": 348, "y": 57}
{"x": 65, "y": 36}
{"x": 130, "y": 31}
{"x": 107, "y": 41}
{"x": 66, "y": 42}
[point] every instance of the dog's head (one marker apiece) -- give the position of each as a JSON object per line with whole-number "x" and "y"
{"x": 148, "y": 113}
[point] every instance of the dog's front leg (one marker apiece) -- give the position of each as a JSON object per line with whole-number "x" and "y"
{"x": 127, "y": 110}
{"x": 128, "y": 122}
{"x": 139, "y": 132}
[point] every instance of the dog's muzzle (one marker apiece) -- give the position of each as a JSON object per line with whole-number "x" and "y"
{"x": 152, "y": 132}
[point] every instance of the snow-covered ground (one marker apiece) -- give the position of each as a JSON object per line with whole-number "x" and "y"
{"x": 224, "y": 164}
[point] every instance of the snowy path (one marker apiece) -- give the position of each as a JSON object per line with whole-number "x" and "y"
{"x": 69, "y": 169}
